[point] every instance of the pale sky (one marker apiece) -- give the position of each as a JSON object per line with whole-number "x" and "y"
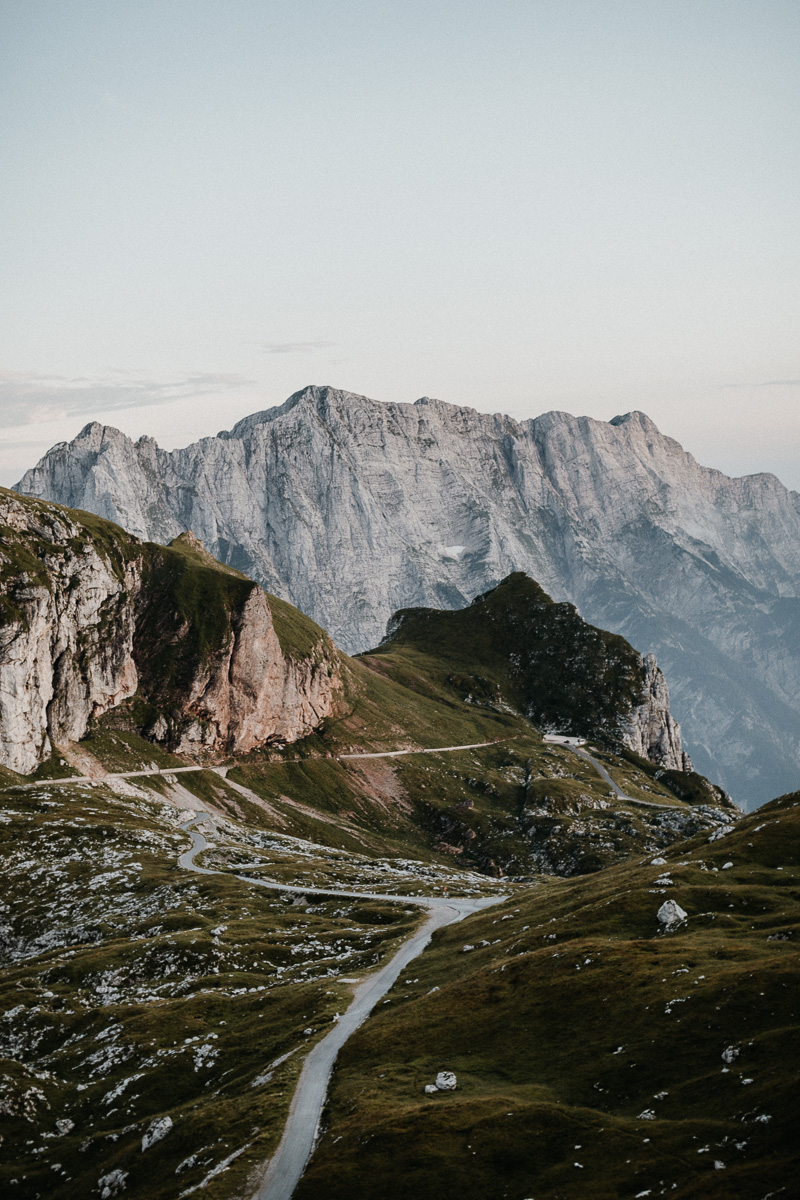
{"x": 586, "y": 205}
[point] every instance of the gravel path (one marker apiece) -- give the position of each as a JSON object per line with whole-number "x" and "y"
{"x": 618, "y": 792}
{"x": 300, "y": 1132}
{"x": 144, "y": 771}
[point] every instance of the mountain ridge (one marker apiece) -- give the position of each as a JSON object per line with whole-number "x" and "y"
{"x": 352, "y": 509}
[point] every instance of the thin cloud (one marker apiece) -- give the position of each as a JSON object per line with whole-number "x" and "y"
{"x": 764, "y": 383}
{"x": 291, "y": 347}
{"x": 28, "y": 398}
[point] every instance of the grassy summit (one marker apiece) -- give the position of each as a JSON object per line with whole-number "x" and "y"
{"x": 516, "y": 645}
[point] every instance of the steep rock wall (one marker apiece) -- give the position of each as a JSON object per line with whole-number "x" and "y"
{"x": 66, "y": 636}
{"x": 650, "y": 729}
{"x": 73, "y": 602}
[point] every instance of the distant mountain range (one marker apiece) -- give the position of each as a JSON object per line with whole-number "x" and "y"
{"x": 352, "y": 509}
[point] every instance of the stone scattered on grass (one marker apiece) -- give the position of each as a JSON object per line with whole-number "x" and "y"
{"x": 445, "y": 1082}
{"x": 112, "y": 1184}
{"x": 156, "y": 1130}
{"x": 671, "y": 914}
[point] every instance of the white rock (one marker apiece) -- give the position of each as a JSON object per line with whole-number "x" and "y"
{"x": 112, "y": 1184}
{"x": 446, "y": 1081}
{"x": 727, "y": 866}
{"x": 156, "y": 1130}
{"x": 671, "y": 914}
{"x": 730, "y": 1054}
{"x": 658, "y": 862}
{"x": 64, "y": 1125}
{"x": 431, "y": 1089}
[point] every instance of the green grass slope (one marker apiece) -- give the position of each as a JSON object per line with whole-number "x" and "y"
{"x": 515, "y": 644}
{"x": 597, "y": 1055}
{"x": 133, "y": 991}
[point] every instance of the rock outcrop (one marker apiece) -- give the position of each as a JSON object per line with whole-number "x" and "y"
{"x": 352, "y": 509}
{"x": 66, "y": 638}
{"x": 671, "y": 914}
{"x": 92, "y": 618}
{"x": 651, "y": 730}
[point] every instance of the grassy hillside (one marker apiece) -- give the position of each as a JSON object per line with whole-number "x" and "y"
{"x": 597, "y": 1055}
{"x": 133, "y": 990}
{"x": 516, "y": 645}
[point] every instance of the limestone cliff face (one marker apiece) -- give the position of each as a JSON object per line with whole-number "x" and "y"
{"x": 650, "y": 728}
{"x": 249, "y": 693}
{"x": 352, "y": 509}
{"x": 90, "y": 617}
{"x": 66, "y": 638}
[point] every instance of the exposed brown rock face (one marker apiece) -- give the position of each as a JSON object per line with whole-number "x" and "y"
{"x": 252, "y": 693}
{"x": 73, "y": 599}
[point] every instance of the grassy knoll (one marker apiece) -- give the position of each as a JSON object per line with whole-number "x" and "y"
{"x": 596, "y": 1054}
{"x": 515, "y": 644}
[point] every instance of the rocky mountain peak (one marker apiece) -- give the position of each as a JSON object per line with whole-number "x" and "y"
{"x": 635, "y": 418}
{"x": 541, "y": 658}
{"x": 353, "y": 509}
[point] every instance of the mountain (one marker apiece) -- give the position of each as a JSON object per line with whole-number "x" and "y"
{"x": 564, "y": 675}
{"x": 157, "y": 1003}
{"x": 92, "y": 618}
{"x": 113, "y": 651}
{"x": 352, "y": 509}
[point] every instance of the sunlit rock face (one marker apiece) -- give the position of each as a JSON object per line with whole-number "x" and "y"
{"x": 352, "y": 509}
{"x": 90, "y": 618}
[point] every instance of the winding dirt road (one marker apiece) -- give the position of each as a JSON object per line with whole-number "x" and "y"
{"x": 618, "y": 792}
{"x": 221, "y": 770}
{"x": 287, "y": 1164}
